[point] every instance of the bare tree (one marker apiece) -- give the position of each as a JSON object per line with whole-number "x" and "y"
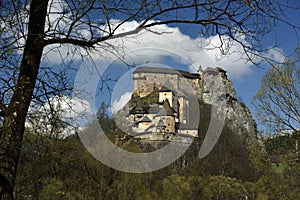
{"x": 278, "y": 100}
{"x": 28, "y": 27}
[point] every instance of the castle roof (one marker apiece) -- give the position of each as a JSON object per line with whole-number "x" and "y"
{"x": 144, "y": 119}
{"x": 159, "y": 70}
{"x": 161, "y": 123}
{"x": 214, "y": 71}
{"x": 165, "y": 89}
{"x": 166, "y": 110}
{"x": 153, "y": 109}
{"x": 149, "y": 129}
{"x": 138, "y": 108}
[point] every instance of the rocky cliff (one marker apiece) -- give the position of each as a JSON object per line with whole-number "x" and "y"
{"x": 238, "y": 116}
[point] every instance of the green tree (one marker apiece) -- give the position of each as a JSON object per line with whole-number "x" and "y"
{"x": 226, "y": 188}
{"x": 176, "y": 187}
{"x": 272, "y": 187}
{"x": 291, "y": 175}
{"x": 277, "y": 101}
{"x": 53, "y": 189}
{"x": 62, "y": 167}
{"x": 231, "y": 157}
{"x": 29, "y": 27}
{"x": 259, "y": 159}
{"x": 198, "y": 188}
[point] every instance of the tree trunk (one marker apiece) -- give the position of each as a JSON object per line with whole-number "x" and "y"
{"x": 11, "y": 133}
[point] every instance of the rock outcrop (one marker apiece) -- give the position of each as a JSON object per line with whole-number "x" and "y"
{"x": 238, "y": 116}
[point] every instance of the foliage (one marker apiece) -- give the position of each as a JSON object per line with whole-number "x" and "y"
{"x": 260, "y": 159}
{"x": 282, "y": 144}
{"x": 30, "y": 29}
{"x": 226, "y": 188}
{"x": 272, "y": 187}
{"x": 278, "y": 100}
{"x": 231, "y": 157}
{"x": 61, "y": 168}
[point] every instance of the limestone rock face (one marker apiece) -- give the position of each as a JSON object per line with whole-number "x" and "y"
{"x": 216, "y": 85}
{"x": 240, "y": 119}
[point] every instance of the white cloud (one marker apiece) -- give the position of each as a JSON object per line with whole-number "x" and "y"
{"x": 275, "y": 54}
{"x": 71, "y": 112}
{"x": 156, "y": 43}
{"x": 57, "y": 19}
{"x": 121, "y": 102}
{"x": 162, "y": 40}
{"x": 199, "y": 51}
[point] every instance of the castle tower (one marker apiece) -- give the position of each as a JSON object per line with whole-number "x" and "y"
{"x": 200, "y": 71}
{"x": 165, "y": 94}
{"x": 165, "y": 118}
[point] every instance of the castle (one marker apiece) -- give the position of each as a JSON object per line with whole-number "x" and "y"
{"x": 162, "y": 100}
{"x": 165, "y": 103}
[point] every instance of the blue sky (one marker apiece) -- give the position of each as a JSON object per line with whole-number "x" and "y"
{"x": 180, "y": 47}
{"x": 287, "y": 40}
{"x": 246, "y": 77}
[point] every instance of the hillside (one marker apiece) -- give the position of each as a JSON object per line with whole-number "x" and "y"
{"x": 234, "y": 169}
{"x": 238, "y": 166}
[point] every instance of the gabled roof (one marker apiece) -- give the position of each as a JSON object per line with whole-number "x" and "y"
{"x": 166, "y": 110}
{"x": 159, "y": 70}
{"x": 154, "y": 109}
{"x": 160, "y": 123}
{"x": 144, "y": 119}
{"x": 189, "y": 75}
{"x": 149, "y": 129}
{"x": 214, "y": 71}
{"x": 138, "y": 108}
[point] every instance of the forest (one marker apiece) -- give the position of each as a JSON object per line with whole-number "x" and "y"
{"x": 55, "y": 168}
{"x": 47, "y": 45}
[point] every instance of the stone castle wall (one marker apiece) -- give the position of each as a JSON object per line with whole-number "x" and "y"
{"x": 147, "y": 81}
